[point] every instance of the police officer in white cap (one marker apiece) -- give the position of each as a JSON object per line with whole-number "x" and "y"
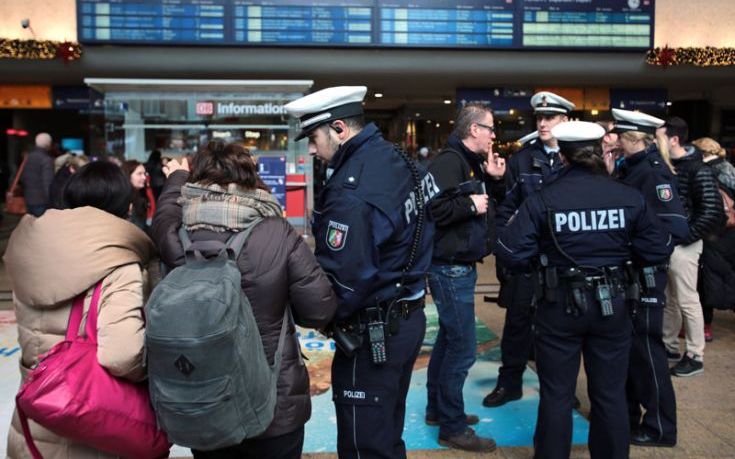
{"x": 535, "y": 165}
{"x": 651, "y": 400}
{"x": 374, "y": 240}
{"x": 583, "y": 230}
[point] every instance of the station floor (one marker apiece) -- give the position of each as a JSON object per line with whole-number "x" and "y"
{"x": 706, "y": 403}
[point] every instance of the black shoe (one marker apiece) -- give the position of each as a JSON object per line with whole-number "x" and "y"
{"x": 499, "y": 397}
{"x": 673, "y": 357}
{"x": 643, "y": 439}
{"x": 433, "y": 420}
{"x": 468, "y": 441}
{"x": 687, "y": 366}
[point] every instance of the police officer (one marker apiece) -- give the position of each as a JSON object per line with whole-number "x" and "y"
{"x": 583, "y": 229}
{"x": 649, "y": 382}
{"x": 374, "y": 241}
{"x": 529, "y": 169}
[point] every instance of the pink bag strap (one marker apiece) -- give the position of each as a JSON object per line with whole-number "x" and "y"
{"x": 27, "y": 433}
{"x": 77, "y": 311}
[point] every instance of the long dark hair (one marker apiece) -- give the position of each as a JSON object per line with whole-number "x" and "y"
{"x": 99, "y": 184}
{"x": 223, "y": 163}
{"x": 137, "y": 197}
{"x": 588, "y": 156}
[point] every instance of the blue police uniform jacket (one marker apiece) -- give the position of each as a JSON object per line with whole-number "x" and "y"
{"x": 364, "y": 223}
{"x": 596, "y": 220}
{"x": 529, "y": 169}
{"x": 647, "y": 172}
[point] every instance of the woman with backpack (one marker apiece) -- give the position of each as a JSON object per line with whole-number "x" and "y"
{"x": 218, "y": 199}
{"x": 54, "y": 259}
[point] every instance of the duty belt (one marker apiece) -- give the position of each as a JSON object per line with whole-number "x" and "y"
{"x": 605, "y": 283}
{"x": 400, "y": 309}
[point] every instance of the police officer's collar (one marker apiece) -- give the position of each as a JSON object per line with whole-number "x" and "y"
{"x": 346, "y": 149}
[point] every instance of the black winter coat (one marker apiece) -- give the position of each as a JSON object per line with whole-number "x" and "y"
{"x": 278, "y": 269}
{"x": 717, "y": 272}
{"x": 698, "y": 192}
{"x": 37, "y": 177}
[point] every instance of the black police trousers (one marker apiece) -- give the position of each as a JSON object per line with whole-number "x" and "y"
{"x": 649, "y": 381}
{"x": 370, "y": 400}
{"x": 560, "y": 339}
{"x": 517, "y": 342}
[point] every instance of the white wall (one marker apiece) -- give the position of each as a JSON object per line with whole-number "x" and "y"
{"x": 50, "y": 19}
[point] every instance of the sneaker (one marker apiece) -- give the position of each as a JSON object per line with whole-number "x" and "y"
{"x": 708, "y": 333}
{"x": 433, "y": 419}
{"x": 673, "y": 357}
{"x": 687, "y": 366}
{"x": 468, "y": 441}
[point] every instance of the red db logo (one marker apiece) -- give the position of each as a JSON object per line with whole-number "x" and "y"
{"x": 205, "y": 108}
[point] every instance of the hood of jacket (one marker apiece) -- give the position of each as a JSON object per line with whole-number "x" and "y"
{"x": 61, "y": 254}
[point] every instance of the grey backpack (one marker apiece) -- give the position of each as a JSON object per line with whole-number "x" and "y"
{"x": 210, "y": 382}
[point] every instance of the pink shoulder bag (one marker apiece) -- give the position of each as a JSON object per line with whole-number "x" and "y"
{"x": 72, "y": 395}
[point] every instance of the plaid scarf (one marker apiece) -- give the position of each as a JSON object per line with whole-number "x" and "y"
{"x": 215, "y": 208}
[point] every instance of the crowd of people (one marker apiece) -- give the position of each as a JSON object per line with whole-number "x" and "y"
{"x": 607, "y": 237}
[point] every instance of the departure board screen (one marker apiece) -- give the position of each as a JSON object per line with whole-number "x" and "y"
{"x": 483, "y": 24}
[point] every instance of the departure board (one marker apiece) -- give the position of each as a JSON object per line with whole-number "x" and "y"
{"x": 483, "y": 24}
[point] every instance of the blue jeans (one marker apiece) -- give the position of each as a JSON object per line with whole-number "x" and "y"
{"x": 453, "y": 291}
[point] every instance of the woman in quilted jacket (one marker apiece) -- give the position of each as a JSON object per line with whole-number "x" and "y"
{"x": 52, "y": 259}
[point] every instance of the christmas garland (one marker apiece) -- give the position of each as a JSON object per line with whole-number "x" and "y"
{"x": 37, "y": 49}
{"x": 701, "y": 57}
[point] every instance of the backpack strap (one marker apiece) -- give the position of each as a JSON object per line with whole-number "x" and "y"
{"x": 236, "y": 242}
{"x": 287, "y": 318}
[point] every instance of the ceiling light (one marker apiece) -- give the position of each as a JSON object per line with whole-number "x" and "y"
{"x": 378, "y": 95}
{"x": 447, "y": 101}
{"x": 417, "y": 114}
{"x": 594, "y": 112}
{"x": 438, "y": 124}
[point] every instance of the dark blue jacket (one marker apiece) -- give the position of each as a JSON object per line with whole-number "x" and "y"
{"x": 647, "y": 172}
{"x": 528, "y": 170}
{"x": 364, "y": 222}
{"x": 596, "y": 220}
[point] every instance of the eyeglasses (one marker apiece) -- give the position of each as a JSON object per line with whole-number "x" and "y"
{"x": 489, "y": 128}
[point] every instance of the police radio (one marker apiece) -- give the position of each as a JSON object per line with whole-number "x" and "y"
{"x": 376, "y": 335}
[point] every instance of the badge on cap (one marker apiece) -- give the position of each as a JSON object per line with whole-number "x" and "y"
{"x": 544, "y": 102}
{"x": 337, "y": 235}
{"x": 664, "y": 192}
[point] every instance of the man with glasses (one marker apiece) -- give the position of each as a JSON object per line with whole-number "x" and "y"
{"x": 531, "y": 168}
{"x": 464, "y": 170}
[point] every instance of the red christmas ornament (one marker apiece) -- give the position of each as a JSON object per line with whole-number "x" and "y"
{"x": 666, "y": 56}
{"x": 68, "y": 51}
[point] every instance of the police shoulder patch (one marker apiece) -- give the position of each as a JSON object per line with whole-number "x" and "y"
{"x": 664, "y": 192}
{"x": 337, "y": 235}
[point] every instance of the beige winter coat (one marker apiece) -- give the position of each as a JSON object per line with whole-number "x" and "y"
{"x": 52, "y": 259}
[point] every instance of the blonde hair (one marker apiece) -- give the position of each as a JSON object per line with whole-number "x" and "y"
{"x": 709, "y": 147}
{"x": 648, "y": 139}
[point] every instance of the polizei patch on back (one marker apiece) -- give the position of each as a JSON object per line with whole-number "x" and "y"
{"x": 589, "y": 220}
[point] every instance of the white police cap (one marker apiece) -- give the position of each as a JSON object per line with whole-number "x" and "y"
{"x": 528, "y": 137}
{"x": 327, "y": 105}
{"x": 627, "y": 120}
{"x": 548, "y": 103}
{"x": 580, "y": 132}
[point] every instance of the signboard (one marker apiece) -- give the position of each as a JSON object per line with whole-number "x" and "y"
{"x": 501, "y": 100}
{"x": 499, "y": 24}
{"x": 272, "y": 170}
{"x": 25, "y": 96}
{"x": 645, "y": 100}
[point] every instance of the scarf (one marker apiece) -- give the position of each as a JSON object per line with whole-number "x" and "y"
{"x": 219, "y": 209}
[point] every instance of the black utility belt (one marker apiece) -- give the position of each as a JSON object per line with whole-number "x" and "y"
{"x": 604, "y": 283}
{"x": 399, "y": 310}
{"x": 376, "y": 323}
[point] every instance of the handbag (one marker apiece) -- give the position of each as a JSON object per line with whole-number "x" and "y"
{"x": 15, "y": 203}
{"x": 72, "y": 395}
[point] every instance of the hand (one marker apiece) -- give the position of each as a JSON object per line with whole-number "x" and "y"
{"x": 480, "y": 201}
{"x": 495, "y": 166}
{"x": 174, "y": 165}
{"x": 609, "y": 159}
